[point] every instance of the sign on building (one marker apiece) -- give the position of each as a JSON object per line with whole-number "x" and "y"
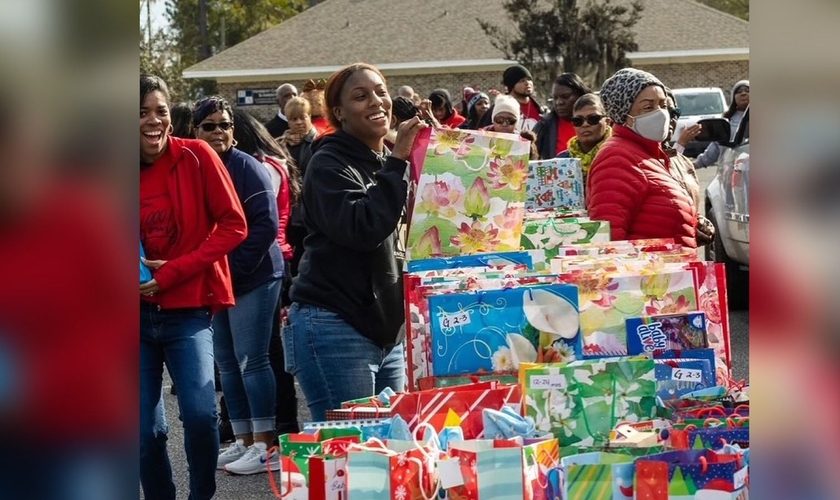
{"x": 256, "y": 97}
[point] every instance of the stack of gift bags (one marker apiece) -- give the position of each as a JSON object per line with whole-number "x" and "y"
{"x": 543, "y": 360}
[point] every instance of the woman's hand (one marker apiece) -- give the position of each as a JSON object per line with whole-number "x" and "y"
{"x": 689, "y": 134}
{"x": 406, "y": 132}
{"x": 427, "y": 116}
{"x": 705, "y": 231}
{"x": 149, "y": 288}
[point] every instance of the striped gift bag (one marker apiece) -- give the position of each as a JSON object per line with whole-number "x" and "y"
{"x": 597, "y": 476}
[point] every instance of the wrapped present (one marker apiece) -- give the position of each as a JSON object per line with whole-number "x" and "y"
{"x": 496, "y": 330}
{"x": 689, "y": 475}
{"x": 545, "y": 236}
{"x": 607, "y": 301}
{"x": 555, "y": 183}
{"x": 390, "y": 470}
{"x": 312, "y": 465}
{"x": 296, "y": 449}
{"x": 498, "y": 469}
{"x": 713, "y": 301}
{"x": 435, "y": 406}
{"x": 675, "y": 377}
{"x": 453, "y": 380}
{"x": 582, "y": 401}
{"x": 358, "y": 412}
{"x": 467, "y": 193}
{"x": 595, "y": 476}
{"x": 485, "y": 260}
{"x": 666, "y": 332}
{"x": 145, "y": 272}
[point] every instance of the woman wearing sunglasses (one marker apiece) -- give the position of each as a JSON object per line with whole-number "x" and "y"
{"x": 505, "y": 114}
{"x": 242, "y": 333}
{"x": 592, "y": 128}
{"x": 190, "y": 219}
{"x": 633, "y": 183}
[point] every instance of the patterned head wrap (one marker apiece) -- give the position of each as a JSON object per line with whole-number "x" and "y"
{"x": 621, "y": 89}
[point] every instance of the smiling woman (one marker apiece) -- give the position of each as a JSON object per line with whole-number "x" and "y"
{"x": 346, "y": 327}
{"x": 190, "y": 218}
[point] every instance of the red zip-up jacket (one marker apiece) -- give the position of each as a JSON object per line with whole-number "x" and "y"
{"x": 284, "y": 206}
{"x": 632, "y": 185}
{"x": 210, "y": 222}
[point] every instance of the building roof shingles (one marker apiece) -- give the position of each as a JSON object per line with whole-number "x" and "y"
{"x": 338, "y": 32}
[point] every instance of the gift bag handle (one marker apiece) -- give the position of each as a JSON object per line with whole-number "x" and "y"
{"x": 537, "y": 464}
{"x": 712, "y": 409}
{"x": 278, "y": 492}
{"x": 612, "y": 412}
{"x": 737, "y": 420}
{"x": 710, "y": 421}
{"x": 738, "y": 409}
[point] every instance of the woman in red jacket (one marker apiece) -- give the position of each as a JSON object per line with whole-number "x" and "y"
{"x": 190, "y": 220}
{"x": 632, "y": 183}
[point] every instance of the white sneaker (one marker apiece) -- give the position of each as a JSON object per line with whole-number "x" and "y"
{"x": 231, "y": 454}
{"x": 253, "y": 461}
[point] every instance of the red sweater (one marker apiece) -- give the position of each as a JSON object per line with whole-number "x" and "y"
{"x": 631, "y": 186}
{"x": 210, "y": 224}
{"x": 454, "y": 121}
{"x": 284, "y": 206}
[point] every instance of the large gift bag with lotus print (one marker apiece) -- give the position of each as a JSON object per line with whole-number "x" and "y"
{"x": 467, "y": 193}
{"x": 496, "y": 330}
{"x": 582, "y": 401}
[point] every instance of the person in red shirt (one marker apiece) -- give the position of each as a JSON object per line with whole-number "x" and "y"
{"x": 190, "y": 220}
{"x": 520, "y": 86}
{"x": 556, "y": 130}
{"x": 443, "y": 111}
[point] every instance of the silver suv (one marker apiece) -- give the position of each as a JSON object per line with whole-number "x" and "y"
{"x": 728, "y": 207}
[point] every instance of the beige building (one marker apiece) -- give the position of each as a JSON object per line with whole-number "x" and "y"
{"x": 439, "y": 43}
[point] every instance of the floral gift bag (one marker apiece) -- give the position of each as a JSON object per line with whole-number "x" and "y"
{"x": 606, "y": 301}
{"x": 543, "y": 237}
{"x": 467, "y": 194}
{"x": 582, "y": 401}
{"x": 496, "y": 330}
{"x": 555, "y": 183}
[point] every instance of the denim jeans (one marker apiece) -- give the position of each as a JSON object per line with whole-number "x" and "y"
{"x": 183, "y": 339}
{"x": 333, "y": 362}
{"x": 240, "y": 338}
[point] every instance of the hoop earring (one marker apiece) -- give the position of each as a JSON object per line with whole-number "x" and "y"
{"x": 234, "y": 143}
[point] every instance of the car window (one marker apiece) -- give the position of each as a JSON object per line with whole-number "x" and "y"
{"x": 708, "y": 103}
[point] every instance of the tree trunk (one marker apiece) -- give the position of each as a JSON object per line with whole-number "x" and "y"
{"x": 202, "y": 29}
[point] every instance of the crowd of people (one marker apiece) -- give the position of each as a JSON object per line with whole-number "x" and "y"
{"x": 276, "y": 249}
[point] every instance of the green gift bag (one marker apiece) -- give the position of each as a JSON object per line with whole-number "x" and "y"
{"x": 580, "y": 402}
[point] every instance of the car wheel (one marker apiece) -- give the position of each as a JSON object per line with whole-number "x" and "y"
{"x": 737, "y": 280}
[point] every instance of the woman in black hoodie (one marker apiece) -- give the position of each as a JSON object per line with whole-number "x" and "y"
{"x": 346, "y": 323}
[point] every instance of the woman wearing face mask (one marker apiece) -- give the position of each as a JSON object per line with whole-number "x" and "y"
{"x": 632, "y": 183}
{"x": 592, "y": 127}
{"x": 242, "y": 333}
{"x": 190, "y": 220}
{"x": 346, "y": 324}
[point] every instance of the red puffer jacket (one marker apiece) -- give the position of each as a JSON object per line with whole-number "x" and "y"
{"x": 630, "y": 185}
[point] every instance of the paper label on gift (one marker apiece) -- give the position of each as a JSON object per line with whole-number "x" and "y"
{"x": 547, "y": 382}
{"x": 449, "y": 321}
{"x": 687, "y": 375}
{"x": 450, "y": 474}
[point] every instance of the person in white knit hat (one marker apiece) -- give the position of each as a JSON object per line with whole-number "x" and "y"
{"x": 505, "y": 115}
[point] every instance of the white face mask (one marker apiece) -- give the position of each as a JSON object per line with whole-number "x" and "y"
{"x": 653, "y": 125}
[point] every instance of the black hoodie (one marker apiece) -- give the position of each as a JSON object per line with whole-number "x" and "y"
{"x": 352, "y": 263}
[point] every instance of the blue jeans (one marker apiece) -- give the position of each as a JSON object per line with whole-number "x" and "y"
{"x": 240, "y": 339}
{"x": 183, "y": 339}
{"x": 333, "y": 362}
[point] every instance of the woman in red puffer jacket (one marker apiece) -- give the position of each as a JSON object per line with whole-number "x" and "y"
{"x": 631, "y": 182}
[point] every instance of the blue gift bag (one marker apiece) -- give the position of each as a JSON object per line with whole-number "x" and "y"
{"x": 145, "y": 272}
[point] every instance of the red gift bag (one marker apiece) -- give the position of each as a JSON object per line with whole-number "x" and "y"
{"x": 467, "y": 401}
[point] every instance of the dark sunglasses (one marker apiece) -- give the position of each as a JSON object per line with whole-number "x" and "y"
{"x": 577, "y": 121}
{"x": 504, "y": 121}
{"x": 209, "y": 127}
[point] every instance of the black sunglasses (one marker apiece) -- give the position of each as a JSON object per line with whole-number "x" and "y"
{"x": 209, "y": 127}
{"x": 501, "y": 120}
{"x": 577, "y": 121}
